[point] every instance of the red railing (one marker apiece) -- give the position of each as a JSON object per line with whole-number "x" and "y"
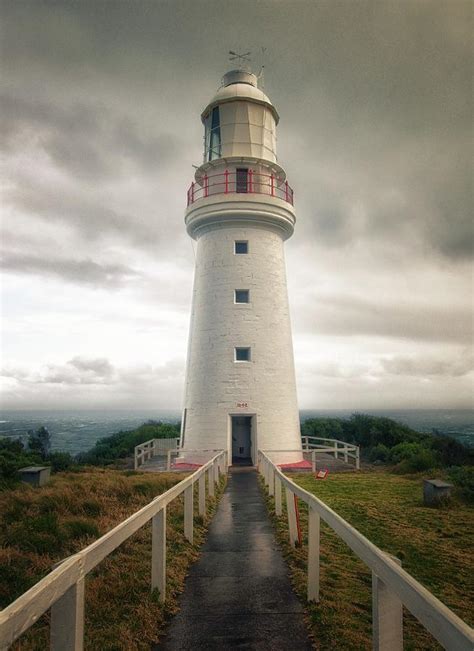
{"x": 245, "y": 182}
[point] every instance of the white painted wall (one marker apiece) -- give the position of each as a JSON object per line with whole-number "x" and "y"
{"x": 215, "y": 383}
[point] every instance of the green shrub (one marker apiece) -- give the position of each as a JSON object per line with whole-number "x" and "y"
{"x": 404, "y": 451}
{"x": 60, "y": 461}
{"x": 463, "y": 478}
{"x": 424, "y": 459}
{"x": 379, "y": 452}
{"x": 121, "y": 445}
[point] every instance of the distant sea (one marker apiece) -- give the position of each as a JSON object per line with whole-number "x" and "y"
{"x": 77, "y": 431}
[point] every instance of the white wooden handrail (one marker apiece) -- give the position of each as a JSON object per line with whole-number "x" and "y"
{"x": 392, "y": 583}
{"x": 348, "y": 450}
{"x": 62, "y": 590}
{"x": 148, "y": 449}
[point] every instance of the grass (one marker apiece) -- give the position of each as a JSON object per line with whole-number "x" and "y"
{"x": 433, "y": 544}
{"x": 39, "y": 527}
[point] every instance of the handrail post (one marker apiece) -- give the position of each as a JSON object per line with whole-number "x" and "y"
{"x": 188, "y": 512}
{"x": 158, "y": 553}
{"x": 346, "y": 458}
{"x": 202, "y": 494}
{"x": 168, "y": 460}
{"x": 215, "y": 468}
{"x": 277, "y": 495}
{"x": 135, "y": 459}
{"x": 67, "y": 620}
{"x": 291, "y": 511}
{"x": 357, "y": 458}
{"x": 314, "y": 527}
{"x": 313, "y": 460}
{"x": 387, "y": 616}
{"x": 210, "y": 481}
{"x": 271, "y": 481}
{"x": 335, "y": 450}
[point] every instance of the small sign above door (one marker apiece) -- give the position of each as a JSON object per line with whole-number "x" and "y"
{"x": 242, "y": 404}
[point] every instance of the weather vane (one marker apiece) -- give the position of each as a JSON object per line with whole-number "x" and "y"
{"x": 242, "y": 59}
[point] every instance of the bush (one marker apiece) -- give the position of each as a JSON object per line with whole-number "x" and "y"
{"x": 424, "y": 459}
{"x": 40, "y": 442}
{"x": 121, "y": 445}
{"x": 379, "y": 453}
{"x": 404, "y": 451}
{"x": 14, "y": 456}
{"x": 450, "y": 451}
{"x": 463, "y": 478}
{"x": 60, "y": 461}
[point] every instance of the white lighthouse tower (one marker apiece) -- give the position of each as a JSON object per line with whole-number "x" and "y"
{"x": 240, "y": 392}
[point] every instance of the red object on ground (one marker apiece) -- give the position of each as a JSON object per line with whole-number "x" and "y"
{"x": 322, "y": 474}
{"x": 304, "y": 465}
{"x": 186, "y": 466}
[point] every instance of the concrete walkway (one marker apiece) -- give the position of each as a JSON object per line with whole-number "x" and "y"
{"x": 238, "y": 594}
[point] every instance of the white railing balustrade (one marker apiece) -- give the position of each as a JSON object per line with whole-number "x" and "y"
{"x": 340, "y": 449}
{"x": 62, "y": 590}
{"x": 153, "y": 448}
{"x": 392, "y": 587}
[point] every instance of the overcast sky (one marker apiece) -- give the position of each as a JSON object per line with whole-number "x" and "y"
{"x": 100, "y": 108}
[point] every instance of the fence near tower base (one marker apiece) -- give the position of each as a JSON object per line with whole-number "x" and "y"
{"x": 392, "y": 587}
{"x": 152, "y": 448}
{"x": 317, "y": 445}
{"x": 62, "y": 590}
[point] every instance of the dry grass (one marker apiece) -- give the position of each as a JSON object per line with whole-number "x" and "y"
{"x": 434, "y": 546}
{"x": 39, "y": 527}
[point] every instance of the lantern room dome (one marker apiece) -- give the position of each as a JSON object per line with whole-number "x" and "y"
{"x": 239, "y": 90}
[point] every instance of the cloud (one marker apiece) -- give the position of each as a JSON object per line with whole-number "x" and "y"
{"x": 86, "y": 140}
{"x": 94, "y": 382}
{"x": 420, "y": 366}
{"x": 349, "y": 316}
{"x": 84, "y": 272}
{"x": 101, "y": 123}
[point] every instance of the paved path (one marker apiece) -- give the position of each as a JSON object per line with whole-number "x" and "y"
{"x": 238, "y": 594}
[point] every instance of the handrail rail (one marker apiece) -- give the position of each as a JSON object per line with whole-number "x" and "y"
{"x": 449, "y": 629}
{"x": 147, "y": 450}
{"x": 230, "y": 183}
{"x": 54, "y": 590}
{"x": 337, "y": 447}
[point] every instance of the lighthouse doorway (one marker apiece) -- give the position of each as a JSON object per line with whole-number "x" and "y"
{"x": 242, "y": 440}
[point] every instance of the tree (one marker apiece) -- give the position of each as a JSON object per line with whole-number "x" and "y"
{"x": 40, "y": 441}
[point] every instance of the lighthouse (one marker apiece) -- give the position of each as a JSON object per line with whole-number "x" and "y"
{"x": 240, "y": 391}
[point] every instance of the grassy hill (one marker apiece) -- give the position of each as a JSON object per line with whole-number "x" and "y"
{"x": 433, "y": 544}
{"x": 39, "y": 527}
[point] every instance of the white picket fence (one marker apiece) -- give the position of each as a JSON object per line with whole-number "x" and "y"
{"x": 392, "y": 587}
{"x": 152, "y": 448}
{"x": 62, "y": 590}
{"x": 340, "y": 449}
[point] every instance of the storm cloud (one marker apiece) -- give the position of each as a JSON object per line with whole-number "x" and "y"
{"x": 101, "y": 126}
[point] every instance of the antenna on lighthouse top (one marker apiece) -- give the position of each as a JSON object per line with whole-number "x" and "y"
{"x": 243, "y": 60}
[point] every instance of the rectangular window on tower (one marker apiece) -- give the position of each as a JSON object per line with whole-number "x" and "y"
{"x": 242, "y": 355}
{"x": 242, "y": 296}
{"x": 215, "y": 135}
{"x": 241, "y": 247}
